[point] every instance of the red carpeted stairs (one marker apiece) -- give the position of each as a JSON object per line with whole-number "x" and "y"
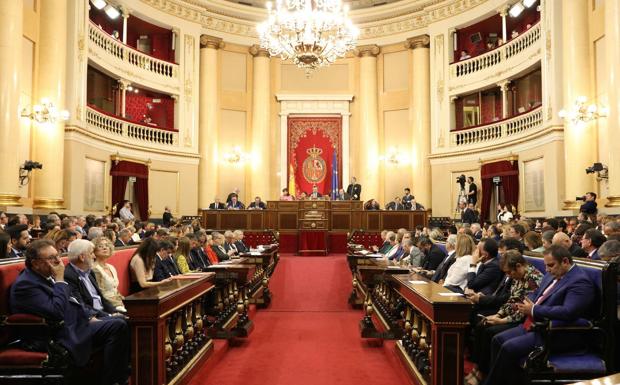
{"x": 309, "y": 335}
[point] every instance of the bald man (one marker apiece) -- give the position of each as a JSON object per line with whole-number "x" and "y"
{"x": 564, "y": 240}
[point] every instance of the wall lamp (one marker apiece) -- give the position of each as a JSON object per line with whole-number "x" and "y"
{"x": 45, "y": 112}
{"x": 235, "y": 155}
{"x": 581, "y": 112}
{"x": 394, "y": 157}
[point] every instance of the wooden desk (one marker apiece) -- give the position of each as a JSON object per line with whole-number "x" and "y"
{"x": 168, "y": 333}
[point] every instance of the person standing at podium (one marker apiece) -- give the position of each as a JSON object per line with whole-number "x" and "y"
{"x": 354, "y": 189}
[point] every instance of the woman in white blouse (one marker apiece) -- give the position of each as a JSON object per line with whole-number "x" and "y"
{"x": 106, "y": 275}
{"x": 505, "y": 215}
{"x": 456, "y": 279}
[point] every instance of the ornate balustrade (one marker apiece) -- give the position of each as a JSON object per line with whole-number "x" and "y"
{"x": 497, "y": 56}
{"x": 498, "y": 130}
{"x": 116, "y": 50}
{"x": 108, "y": 125}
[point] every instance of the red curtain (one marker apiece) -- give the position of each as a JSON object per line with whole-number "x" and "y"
{"x": 509, "y": 172}
{"x": 121, "y": 171}
{"x": 311, "y": 146}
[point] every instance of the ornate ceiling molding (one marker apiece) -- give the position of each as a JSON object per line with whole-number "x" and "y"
{"x": 399, "y": 17}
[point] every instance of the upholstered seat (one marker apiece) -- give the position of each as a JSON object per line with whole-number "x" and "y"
{"x": 577, "y": 363}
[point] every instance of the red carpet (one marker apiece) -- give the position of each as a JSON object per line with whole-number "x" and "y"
{"x": 308, "y": 335}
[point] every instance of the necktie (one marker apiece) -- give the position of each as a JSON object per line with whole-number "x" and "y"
{"x": 527, "y": 325}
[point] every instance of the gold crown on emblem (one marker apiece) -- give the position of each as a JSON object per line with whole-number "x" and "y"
{"x": 314, "y": 151}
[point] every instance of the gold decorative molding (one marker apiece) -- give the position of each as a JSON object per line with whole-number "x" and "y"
{"x": 118, "y": 157}
{"x": 510, "y": 157}
{"x": 368, "y": 50}
{"x": 613, "y": 201}
{"x": 421, "y": 41}
{"x": 207, "y": 41}
{"x": 48, "y": 203}
{"x": 10, "y": 200}
{"x": 257, "y": 51}
{"x": 570, "y": 205}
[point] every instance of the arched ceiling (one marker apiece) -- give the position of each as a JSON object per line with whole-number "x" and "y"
{"x": 353, "y": 4}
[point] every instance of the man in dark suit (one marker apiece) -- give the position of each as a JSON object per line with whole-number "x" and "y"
{"x": 41, "y": 290}
{"x": 258, "y": 204}
{"x": 433, "y": 255}
{"x": 566, "y": 293}
{"x": 198, "y": 257}
{"x": 123, "y": 239}
{"x": 167, "y": 217}
{"x": 484, "y": 273}
{"x": 315, "y": 194}
{"x": 354, "y": 189}
{"x": 229, "y": 243}
{"x": 234, "y": 193}
{"x": 395, "y": 205}
{"x": 467, "y": 214}
{"x": 217, "y": 205}
{"x": 234, "y": 204}
{"x": 591, "y": 241}
{"x": 442, "y": 270}
{"x": 165, "y": 267}
{"x": 19, "y": 240}
{"x": 342, "y": 195}
{"x": 589, "y": 206}
{"x": 239, "y": 244}
{"x": 407, "y": 198}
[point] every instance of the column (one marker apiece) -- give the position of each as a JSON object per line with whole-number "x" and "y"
{"x": 208, "y": 119}
{"x": 503, "y": 12}
{"x": 10, "y": 57}
{"x": 421, "y": 121}
{"x": 49, "y": 138}
{"x": 452, "y": 44}
{"x": 578, "y": 153}
{"x": 122, "y": 86}
{"x": 504, "y": 87}
{"x": 369, "y": 122}
{"x": 125, "y": 14}
{"x": 260, "y": 170}
{"x": 612, "y": 36}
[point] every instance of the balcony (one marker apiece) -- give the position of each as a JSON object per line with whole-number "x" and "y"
{"x": 497, "y": 131}
{"x": 139, "y": 134}
{"x": 130, "y": 63}
{"x": 502, "y": 62}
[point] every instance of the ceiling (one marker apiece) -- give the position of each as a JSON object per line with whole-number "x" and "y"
{"x": 354, "y": 4}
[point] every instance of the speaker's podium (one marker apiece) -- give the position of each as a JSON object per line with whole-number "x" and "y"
{"x": 313, "y": 227}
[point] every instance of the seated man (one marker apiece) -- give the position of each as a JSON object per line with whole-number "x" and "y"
{"x": 561, "y": 239}
{"x": 124, "y": 238}
{"x": 592, "y": 240}
{"x": 384, "y": 246}
{"x": 566, "y": 293}
{"x": 442, "y": 270}
{"x": 342, "y": 195}
{"x": 484, "y": 273}
{"x": 198, "y": 257}
{"x": 235, "y": 204}
{"x": 315, "y": 194}
{"x": 258, "y": 204}
{"x": 395, "y": 205}
{"x": 433, "y": 255}
{"x": 372, "y": 205}
{"x": 396, "y": 250}
{"x": 217, "y": 205}
{"x": 229, "y": 243}
{"x": 19, "y": 240}
{"x": 241, "y": 246}
{"x": 218, "y": 247}
{"x": 165, "y": 266}
{"x": 41, "y": 290}
{"x": 415, "y": 205}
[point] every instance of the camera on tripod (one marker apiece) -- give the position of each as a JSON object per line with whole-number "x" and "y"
{"x": 461, "y": 180}
{"x": 30, "y": 165}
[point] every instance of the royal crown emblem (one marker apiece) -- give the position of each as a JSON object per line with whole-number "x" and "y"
{"x": 314, "y": 167}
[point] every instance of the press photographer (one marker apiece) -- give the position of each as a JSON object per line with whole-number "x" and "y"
{"x": 589, "y": 205}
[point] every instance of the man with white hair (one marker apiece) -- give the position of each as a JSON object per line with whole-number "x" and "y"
{"x": 241, "y": 246}
{"x": 95, "y": 232}
{"x": 82, "y": 281}
{"x": 442, "y": 270}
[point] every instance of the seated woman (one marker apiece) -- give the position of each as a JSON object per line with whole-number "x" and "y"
{"x": 456, "y": 279}
{"x": 218, "y": 247}
{"x": 525, "y": 279}
{"x": 533, "y": 242}
{"x": 209, "y": 251}
{"x": 142, "y": 265}
{"x": 183, "y": 256}
{"x": 372, "y": 205}
{"x": 286, "y": 196}
{"x": 63, "y": 238}
{"x": 106, "y": 275}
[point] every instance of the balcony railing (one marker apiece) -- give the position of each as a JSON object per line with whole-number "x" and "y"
{"x": 129, "y": 55}
{"x": 496, "y": 56}
{"x": 498, "y": 130}
{"x": 138, "y": 133}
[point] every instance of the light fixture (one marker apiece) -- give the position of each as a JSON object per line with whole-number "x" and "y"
{"x": 394, "y": 156}
{"x": 516, "y": 9}
{"x": 45, "y": 112}
{"x": 236, "y": 156}
{"x": 129, "y": 88}
{"x": 529, "y": 3}
{"x": 581, "y": 112}
{"x": 99, "y": 4}
{"x": 313, "y": 33}
{"x": 112, "y": 12}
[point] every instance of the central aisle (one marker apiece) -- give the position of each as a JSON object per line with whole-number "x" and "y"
{"x": 309, "y": 335}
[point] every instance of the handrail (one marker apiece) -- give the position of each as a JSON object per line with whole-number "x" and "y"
{"x": 108, "y": 124}
{"x": 497, "y": 55}
{"x": 130, "y": 55}
{"x": 497, "y": 130}
{"x": 129, "y": 120}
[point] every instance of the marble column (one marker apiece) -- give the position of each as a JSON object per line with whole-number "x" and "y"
{"x": 612, "y": 37}
{"x": 260, "y": 165}
{"x": 578, "y": 153}
{"x": 122, "y": 86}
{"x": 49, "y": 138}
{"x": 503, "y": 12}
{"x": 369, "y": 122}
{"x": 421, "y": 119}
{"x": 505, "y": 88}
{"x": 125, "y": 14}
{"x": 10, "y": 57}
{"x": 208, "y": 119}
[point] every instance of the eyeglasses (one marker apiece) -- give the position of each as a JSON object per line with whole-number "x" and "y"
{"x": 56, "y": 256}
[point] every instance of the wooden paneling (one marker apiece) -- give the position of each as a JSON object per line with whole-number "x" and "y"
{"x": 256, "y": 221}
{"x": 373, "y": 221}
{"x": 396, "y": 219}
{"x": 287, "y": 221}
{"x": 341, "y": 220}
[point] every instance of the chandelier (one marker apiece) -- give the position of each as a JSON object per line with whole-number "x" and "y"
{"x": 581, "y": 112}
{"x": 395, "y": 157}
{"x": 313, "y": 33}
{"x": 45, "y": 112}
{"x": 235, "y": 155}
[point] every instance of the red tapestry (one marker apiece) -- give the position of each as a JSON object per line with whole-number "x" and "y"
{"x": 311, "y": 146}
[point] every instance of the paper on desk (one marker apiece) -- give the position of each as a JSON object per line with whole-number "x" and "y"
{"x": 255, "y": 253}
{"x": 450, "y": 294}
{"x": 418, "y": 282}
{"x": 376, "y": 255}
{"x": 394, "y": 267}
{"x": 364, "y": 252}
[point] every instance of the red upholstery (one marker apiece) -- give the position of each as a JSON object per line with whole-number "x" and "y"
{"x": 18, "y": 357}
{"x": 120, "y": 260}
{"x": 366, "y": 238}
{"x": 8, "y": 274}
{"x": 255, "y": 238}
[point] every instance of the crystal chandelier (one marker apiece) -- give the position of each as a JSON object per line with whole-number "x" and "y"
{"x": 45, "y": 112}
{"x": 313, "y": 33}
{"x": 581, "y": 112}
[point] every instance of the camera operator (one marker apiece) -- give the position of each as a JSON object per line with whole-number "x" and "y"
{"x": 472, "y": 195}
{"x": 589, "y": 205}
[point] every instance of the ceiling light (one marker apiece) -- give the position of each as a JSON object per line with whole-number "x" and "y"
{"x": 529, "y": 3}
{"x": 516, "y": 9}
{"x": 112, "y": 12}
{"x": 99, "y": 4}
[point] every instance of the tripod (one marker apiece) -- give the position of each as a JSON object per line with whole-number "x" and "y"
{"x": 461, "y": 197}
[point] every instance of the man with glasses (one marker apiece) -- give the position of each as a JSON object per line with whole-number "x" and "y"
{"x": 41, "y": 290}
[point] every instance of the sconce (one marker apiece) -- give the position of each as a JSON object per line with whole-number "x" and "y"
{"x": 45, "y": 112}
{"x": 581, "y": 112}
{"x": 236, "y": 156}
{"x": 26, "y": 169}
{"x": 394, "y": 156}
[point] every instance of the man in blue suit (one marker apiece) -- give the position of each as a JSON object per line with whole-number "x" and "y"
{"x": 41, "y": 290}
{"x": 566, "y": 293}
{"x": 165, "y": 267}
{"x": 484, "y": 274}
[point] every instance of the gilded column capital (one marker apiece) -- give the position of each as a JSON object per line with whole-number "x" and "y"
{"x": 453, "y": 98}
{"x": 258, "y": 51}
{"x": 503, "y": 11}
{"x": 368, "y": 50}
{"x": 123, "y": 84}
{"x": 422, "y": 41}
{"x": 207, "y": 41}
{"x": 504, "y": 86}
{"x": 176, "y": 31}
{"x": 125, "y": 12}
